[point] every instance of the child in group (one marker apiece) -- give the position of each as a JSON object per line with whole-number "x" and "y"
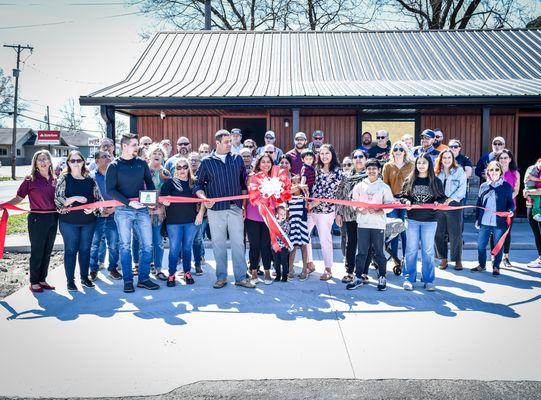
{"x": 308, "y": 172}
{"x": 533, "y": 181}
{"x": 281, "y": 258}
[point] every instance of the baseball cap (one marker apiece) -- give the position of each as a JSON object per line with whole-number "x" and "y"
{"x": 318, "y": 133}
{"x": 300, "y": 135}
{"x": 236, "y": 131}
{"x": 429, "y": 133}
{"x": 270, "y": 133}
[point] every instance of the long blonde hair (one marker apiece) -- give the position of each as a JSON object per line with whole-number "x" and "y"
{"x": 34, "y": 169}
{"x": 407, "y": 155}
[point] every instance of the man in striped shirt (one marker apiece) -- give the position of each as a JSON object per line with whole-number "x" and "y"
{"x": 223, "y": 174}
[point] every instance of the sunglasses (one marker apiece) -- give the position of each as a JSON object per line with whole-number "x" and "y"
{"x": 494, "y": 170}
{"x": 318, "y": 138}
{"x": 439, "y": 137}
{"x": 358, "y": 157}
{"x": 454, "y": 146}
{"x": 498, "y": 144}
{"x": 183, "y": 144}
{"x": 381, "y": 137}
{"x": 181, "y": 167}
{"x": 400, "y": 149}
{"x": 269, "y": 152}
{"x": 299, "y": 139}
{"x": 269, "y": 137}
{"x": 346, "y": 165}
{"x": 76, "y": 161}
{"x": 249, "y": 147}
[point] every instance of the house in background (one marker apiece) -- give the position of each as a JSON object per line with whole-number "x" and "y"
{"x": 27, "y": 144}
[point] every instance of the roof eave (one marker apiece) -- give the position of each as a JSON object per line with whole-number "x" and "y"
{"x": 225, "y": 102}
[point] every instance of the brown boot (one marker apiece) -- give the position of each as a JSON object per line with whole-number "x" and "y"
{"x": 443, "y": 263}
{"x": 458, "y": 266}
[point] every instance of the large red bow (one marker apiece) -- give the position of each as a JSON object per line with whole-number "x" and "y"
{"x": 266, "y": 191}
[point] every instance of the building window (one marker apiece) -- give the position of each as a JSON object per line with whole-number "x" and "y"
{"x": 18, "y": 152}
{"x": 3, "y": 152}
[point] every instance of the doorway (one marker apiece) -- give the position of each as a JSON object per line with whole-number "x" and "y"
{"x": 251, "y": 128}
{"x": 529, "y": 150}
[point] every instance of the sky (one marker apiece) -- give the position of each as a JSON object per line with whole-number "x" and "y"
{"x": 80, "y": 46}
{"x": 84, "y": 46}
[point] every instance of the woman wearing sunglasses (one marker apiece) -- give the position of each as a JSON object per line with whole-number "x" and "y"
{"x": 494, "y": 195}
{"x": 76, "y": 187}
{"x": 449, "y": 227}
{"x": 395, "y": 173}
{"x": 346, "y": 217}
{"x": 181, "y": 220}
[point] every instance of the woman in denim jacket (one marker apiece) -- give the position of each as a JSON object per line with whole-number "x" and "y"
{"x": 449, "y": 227}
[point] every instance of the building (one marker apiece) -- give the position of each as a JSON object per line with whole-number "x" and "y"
{"x": 473, "y": 84}
{"x": 27, "y": 146}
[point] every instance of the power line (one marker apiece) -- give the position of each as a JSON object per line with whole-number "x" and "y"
{"x": 33, "y": 67}
{"x": 57, "y": 125}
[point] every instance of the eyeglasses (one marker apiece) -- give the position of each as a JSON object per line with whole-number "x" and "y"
{"x": 183, "y": 144}
{"x": 299, "y": 139}
{"x": 497, "y": 143}
{"x": 269, "y": 152}
{"x": 76, "y": 161}
{"x": 346, "y": 165}
{"x": 400, "y": 149}
{"x": 105, "y": 156}
{"x": 181, "y": 167}
{"x": 493, "y": 170}
{"x": 381, "y": 137}
{"x": 358, "y": 157}
{"x": 318, "y": 138}
{"x": 269, "y": 137}
{"x": 249, "y": 147}
{"x": 454, "y": 146}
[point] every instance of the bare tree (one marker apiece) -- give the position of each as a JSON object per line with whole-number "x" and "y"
{"x": 7, "y": 93}
{"x": 121, "y": 127}
{"x": 461, "y": 14}
{"x": 262, "y": 14}
{"x": 71, "y": 117}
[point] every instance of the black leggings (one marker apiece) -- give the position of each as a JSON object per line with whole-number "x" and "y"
{"x": 281, "y": 262}
{"x": 260, "y": 244}
{"x": 536, "y": 229}
{"x": 351, "y": 245}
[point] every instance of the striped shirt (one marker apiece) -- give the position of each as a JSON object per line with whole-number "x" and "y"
{"x": 220, "y": 179}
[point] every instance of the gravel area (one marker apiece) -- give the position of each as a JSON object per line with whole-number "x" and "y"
{"x": 14, "y": 270}
{"x": 345, "y": 389}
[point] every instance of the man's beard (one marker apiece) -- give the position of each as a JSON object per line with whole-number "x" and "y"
{"x": 367, "y": 141}
{"x": 183, "y": 151}
{"x": 299, "y": 146}
{"x": 437, "y": 143}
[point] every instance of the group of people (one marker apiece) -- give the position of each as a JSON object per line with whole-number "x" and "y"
{"x": 379, "y": 173}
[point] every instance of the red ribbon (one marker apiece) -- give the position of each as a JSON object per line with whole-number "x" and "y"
{"x": 267, "y": 215}
{"x": 266, "y": 191}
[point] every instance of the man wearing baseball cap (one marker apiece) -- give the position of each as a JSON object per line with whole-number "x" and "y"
{"x": 295, "y": 153}
{"x": 270, "y": 138}
{"x": 236, "y": 137}
{"x": 317, "y": 140}
{"x": 427, "y": 145}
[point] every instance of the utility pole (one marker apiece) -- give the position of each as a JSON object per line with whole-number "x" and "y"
{"x": 208, "y": 16}
{"x": 48, "y": 119}
{"x": 19, "y": 49}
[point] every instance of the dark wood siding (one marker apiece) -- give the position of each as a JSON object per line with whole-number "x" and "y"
{"x": 199, "y": 129}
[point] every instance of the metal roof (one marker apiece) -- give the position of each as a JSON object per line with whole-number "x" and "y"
{"x": 268, "y": 68}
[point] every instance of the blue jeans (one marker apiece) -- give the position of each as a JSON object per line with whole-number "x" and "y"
{"x": 129, "y": 219}
{"x": 135, "y": 248}
{"x": 181, "y": 238}
{"x": 105, "y": 228}
{"x": 157, "y": 246}
{"x": 482, "y": 240}
{"x": 424, "y": 231}
{"x": 198, "y": 243}
{"x": 77, "y": 243}
{"x": 398, "y": 213}
{"x": 102, "y": 249}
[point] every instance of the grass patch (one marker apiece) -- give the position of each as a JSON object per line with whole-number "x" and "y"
{"x": 17, "y": 224}
{"x": 4, "y": 178}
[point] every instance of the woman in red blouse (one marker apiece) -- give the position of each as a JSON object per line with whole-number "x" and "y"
{"x": 39, "y": 186}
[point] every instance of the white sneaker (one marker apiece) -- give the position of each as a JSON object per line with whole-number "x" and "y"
{"x": 407, "y": 285}
{"x": 430, "y": 287}
{"x": 537, "y": 217}
{"x": 535, "y": 263}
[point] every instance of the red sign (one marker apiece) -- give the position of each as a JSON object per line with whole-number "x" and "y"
{"x": 48, "y": 137}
